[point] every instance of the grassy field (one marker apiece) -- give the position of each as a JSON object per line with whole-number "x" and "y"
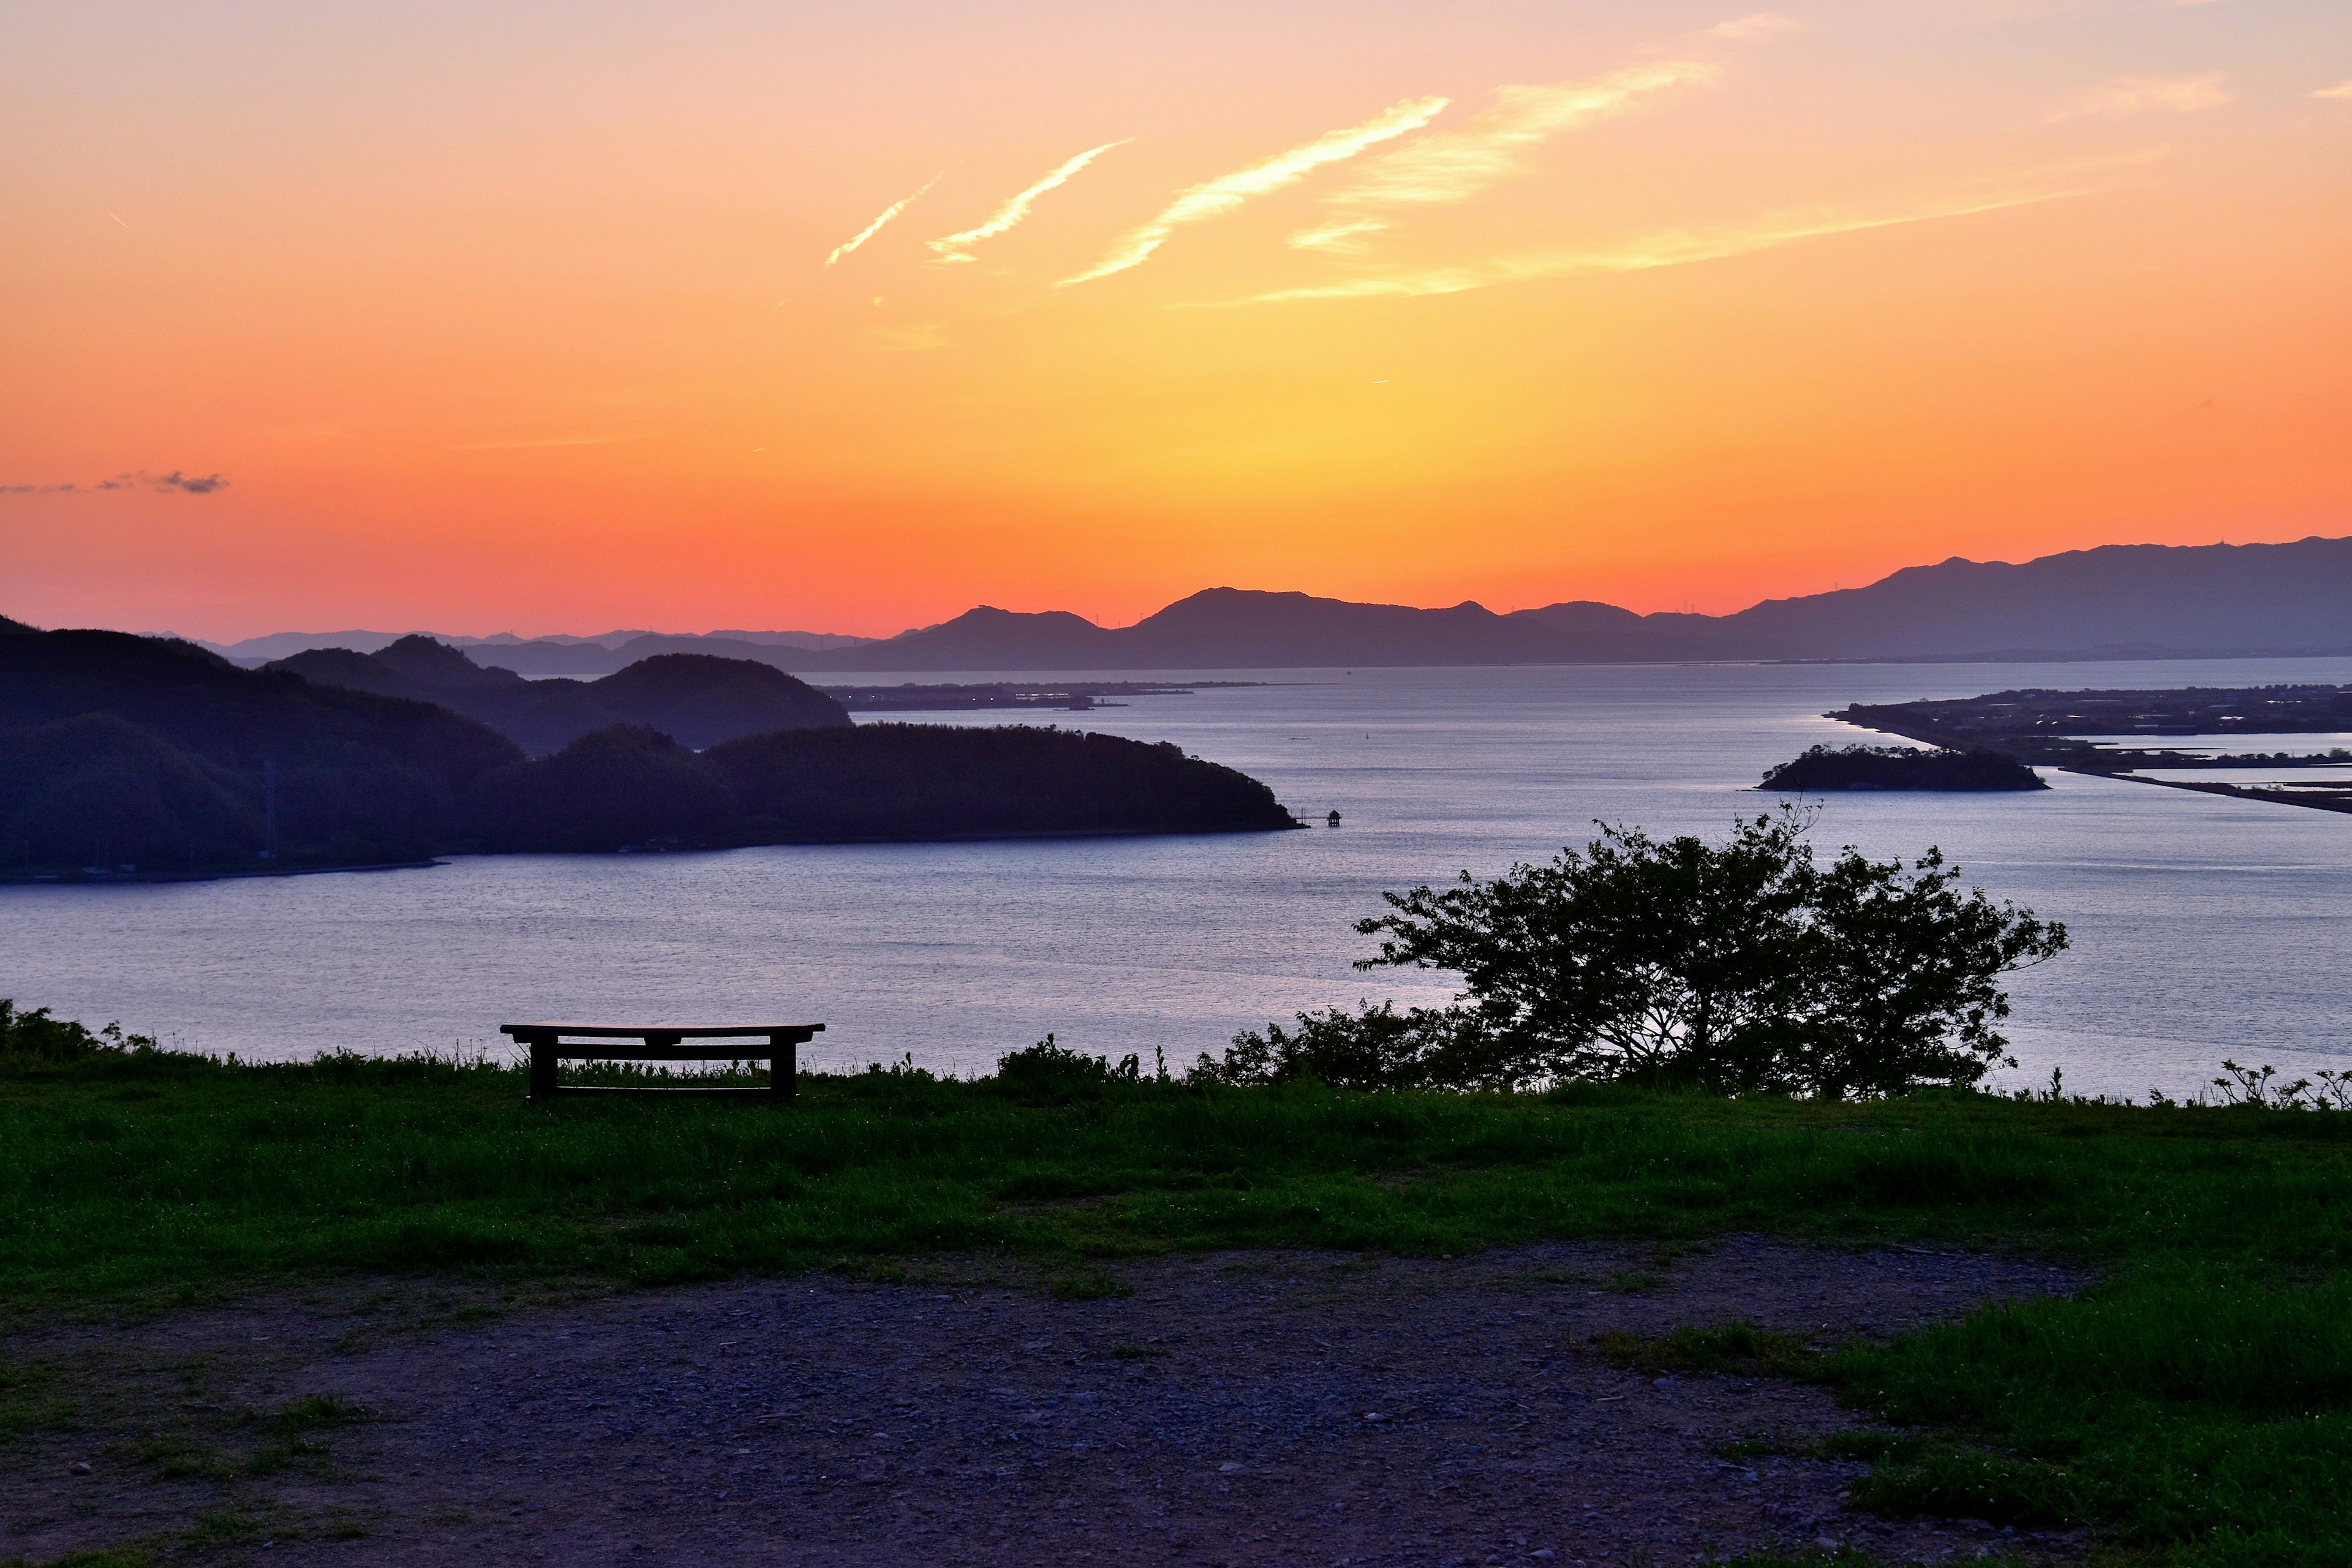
{"x": 2196, "y": 1406}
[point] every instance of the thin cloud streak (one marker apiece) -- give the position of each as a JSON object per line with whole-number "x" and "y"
{"x": 957, "y": 248}
{"x": 2341, "y": 89}
{"x": 1339, "y": 234}
{"x": 893, "y": 210}
{"x": 2137, "y": 94}
{"x": 1216, "y": 197}
{"x": 1450, "y": 166}
{"x": 1671, "y": 249}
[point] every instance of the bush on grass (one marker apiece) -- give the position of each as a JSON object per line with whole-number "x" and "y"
{"x": 36, "y": 1036}
{"x": 1050, "y": 1073}
{"x": 1740, "y": 968}
{"x": 1376, "y": 1049}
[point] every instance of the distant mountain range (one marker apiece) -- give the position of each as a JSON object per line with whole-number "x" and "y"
{"x": 2139, "y": 601}
{"x": 557, "y": 655}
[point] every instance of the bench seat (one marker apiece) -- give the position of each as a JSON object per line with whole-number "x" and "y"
{"x": 552, "y": 1044}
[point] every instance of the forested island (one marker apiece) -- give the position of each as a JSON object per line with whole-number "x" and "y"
{"x": 1822, "y": 769}
{"x": 130, "y": 756}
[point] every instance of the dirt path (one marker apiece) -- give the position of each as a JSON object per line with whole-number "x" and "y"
{"x": 1252, "y": 1408}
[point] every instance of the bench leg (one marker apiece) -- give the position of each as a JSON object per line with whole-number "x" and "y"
{"x": 542, "y": 1068}
{"x": 783, "y": 1067}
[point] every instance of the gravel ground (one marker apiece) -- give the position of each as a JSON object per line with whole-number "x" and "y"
{"x": 1250, "y": 1408}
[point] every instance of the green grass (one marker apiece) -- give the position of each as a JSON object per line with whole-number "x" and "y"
{"x": 2196, "y": 1406}
{"x": 1738, "y": 1348}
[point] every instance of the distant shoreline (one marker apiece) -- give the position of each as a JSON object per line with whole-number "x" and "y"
{"x": 125, "y": 878}
{"x": 117, "y": 878}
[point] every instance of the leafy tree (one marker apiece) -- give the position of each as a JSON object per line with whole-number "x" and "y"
{"x": 1903, "y": 975}
{"x": 1743, "y": 966}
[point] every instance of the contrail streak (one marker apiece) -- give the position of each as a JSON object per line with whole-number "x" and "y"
{"x": 958, "y": 247}
{"x": 1222, "y": 195}
{"x": 893, "y": 210}
{"x": 1678, "y": 248}
{"x": 1450, "y": 167}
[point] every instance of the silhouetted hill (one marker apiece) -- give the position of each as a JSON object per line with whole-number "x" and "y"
{"x": 99, "y": 791}
{"x": 2132, "y": 597}
{"x": 698, "y": 700}
{"x": 352, "y": 670}
{"x": 984, "y": 638}
{"x": 122, "y": 753}
{"x": 985, "y": 781}
{"x": 1272, "y": 630}
{"x": 601, "y": 654}
{"x": 14, "y": 628}
{"x": 140, "y": 750}
{"x": 781, "y": 650}
{"x": 440, "y": 667}
{"x": 631, "y": 786}
{"x": 2137, "y": 601}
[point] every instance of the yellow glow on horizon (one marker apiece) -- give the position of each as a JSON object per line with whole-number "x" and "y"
{"x": 551, "y": 325}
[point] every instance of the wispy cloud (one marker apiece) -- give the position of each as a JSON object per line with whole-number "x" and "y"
{"x": 2139, "y": 94}
{"x": 1681, "y": 248}
{"x": 2341, "y": 89}
{"x": 1454, "y": 165}
{"x": 893, "y": 210}
{"x": 173, "y": 483}
{"x": 1216, "y": 197}
{"x": 1340, "y": 234}
{"x": 956, "y": 248}
{"x": 1747, "y": 29}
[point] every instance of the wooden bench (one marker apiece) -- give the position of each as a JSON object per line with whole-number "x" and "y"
{"x": 551, "y": 1043}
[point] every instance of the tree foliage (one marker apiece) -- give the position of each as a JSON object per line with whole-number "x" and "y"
{"x": 36, "y": 1036}
{"x": 1742, "y": 967}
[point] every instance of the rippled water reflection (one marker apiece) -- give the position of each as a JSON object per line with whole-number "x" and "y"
{"x": 2204, "y": 926}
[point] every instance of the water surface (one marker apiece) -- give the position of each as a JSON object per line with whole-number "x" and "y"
{"x": 2204, "y": 926}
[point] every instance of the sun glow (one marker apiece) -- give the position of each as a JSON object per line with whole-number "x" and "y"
{"x": 1616, "y": 303}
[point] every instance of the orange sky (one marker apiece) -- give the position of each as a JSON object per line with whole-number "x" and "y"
{"x": 520, "y": 317}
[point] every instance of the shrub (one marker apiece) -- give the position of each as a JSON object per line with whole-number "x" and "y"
{"x": 1376, "y": 1049}
{"x": 1740, "y": 967}
{"x": 36, "y": 1036}
{"x": 1049, "y": 1073}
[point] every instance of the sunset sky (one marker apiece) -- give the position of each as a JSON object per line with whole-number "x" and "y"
{"x": 562, "y": 316}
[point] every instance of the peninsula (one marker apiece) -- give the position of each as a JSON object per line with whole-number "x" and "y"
{"x": 2120, "y": 734}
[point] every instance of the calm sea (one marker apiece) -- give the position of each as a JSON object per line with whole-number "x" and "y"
{"x": 2203, "y": 927}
